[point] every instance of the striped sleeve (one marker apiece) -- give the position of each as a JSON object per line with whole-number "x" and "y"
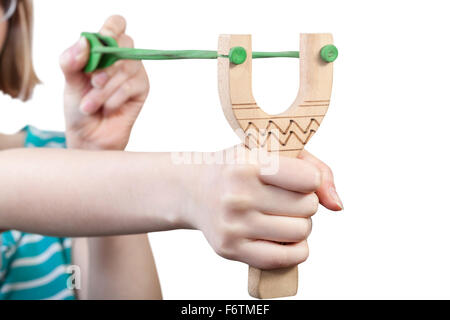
{"x": 35, "y": 138}
{"x": 38, "y": 269}
{"x": 3, "y": 250}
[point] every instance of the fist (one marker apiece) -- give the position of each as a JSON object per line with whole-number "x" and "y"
{"x": 262, "y": 220}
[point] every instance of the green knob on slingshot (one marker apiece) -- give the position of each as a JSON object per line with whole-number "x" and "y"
{"x": 329, "y": 53}
{"x": 237, "y": 55}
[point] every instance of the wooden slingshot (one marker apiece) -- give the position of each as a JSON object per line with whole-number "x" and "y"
{"x": 292, "y": 129}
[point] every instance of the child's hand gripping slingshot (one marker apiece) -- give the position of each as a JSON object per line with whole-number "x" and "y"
{"x": 285, "y": 133}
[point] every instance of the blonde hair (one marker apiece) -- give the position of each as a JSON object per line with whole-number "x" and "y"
{"x": 17, "y": 75}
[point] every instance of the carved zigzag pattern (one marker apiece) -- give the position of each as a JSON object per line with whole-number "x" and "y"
{"x": 278, "y": 140}
{"x": 293, "y": 130}
{"x": 291, "y": 127}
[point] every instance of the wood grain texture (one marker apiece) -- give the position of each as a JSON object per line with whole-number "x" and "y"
{"x": 286, "y": 133}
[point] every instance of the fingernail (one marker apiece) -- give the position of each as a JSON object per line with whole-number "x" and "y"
{"x": 99, "y": 80}
{"x": 336, "y": 198}
{"x": 87, "y": 107}
{"x": 80, "y": 49}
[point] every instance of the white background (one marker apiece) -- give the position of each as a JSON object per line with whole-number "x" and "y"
{"x": 385, "y": 134}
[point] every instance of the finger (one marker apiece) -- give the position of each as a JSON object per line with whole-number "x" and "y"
{"x": 114, "y": 26}
{"x": 96, "y": 98}
{"x": 100, "y": 77}
{"x": 278, "y": 201}
{"x": 136, "y": 87}
{"x": 268, "y": 255}
{"x": 327, "y": 194}
{"x": 262, "y": 226}
{"x": 72, "y": 62}
{"x": 294, "y": 175}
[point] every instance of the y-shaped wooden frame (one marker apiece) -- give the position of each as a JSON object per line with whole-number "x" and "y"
{"x": 292, "y": 128}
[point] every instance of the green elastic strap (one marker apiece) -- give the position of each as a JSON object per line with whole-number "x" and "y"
{"x": 105, "y": 52}
{"x": 98, "y": 60}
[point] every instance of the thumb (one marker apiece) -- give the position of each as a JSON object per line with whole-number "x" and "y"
{"x": 72, "y": 62}
{"x": 327, "y": 194}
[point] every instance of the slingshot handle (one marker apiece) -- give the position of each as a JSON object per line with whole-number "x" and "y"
{"x": 267, "y": 284}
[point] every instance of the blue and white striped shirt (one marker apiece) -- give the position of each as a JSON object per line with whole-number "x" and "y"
{"x": 35, "y": 267}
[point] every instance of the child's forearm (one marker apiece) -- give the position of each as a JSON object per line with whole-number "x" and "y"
{"x": 8, "y": 141}
{"x": 122, "y": 268}
{"x": 81, "y": 193}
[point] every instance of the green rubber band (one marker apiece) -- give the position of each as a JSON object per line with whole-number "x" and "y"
{"x": 280, "y": 54}
{"x": 98, "y": 60}
{"x": 94, "y": 58}
{"x": 107, "y": 60}
{"x": 148, "y": 54}
{"x": 105, "y": 52}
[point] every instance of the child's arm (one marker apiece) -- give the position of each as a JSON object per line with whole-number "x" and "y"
{"x": 117, "y": 267}
{"x": 9, "y": 141}
{"x": 240, "y": 210}
{"x": 86, "y": 193}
